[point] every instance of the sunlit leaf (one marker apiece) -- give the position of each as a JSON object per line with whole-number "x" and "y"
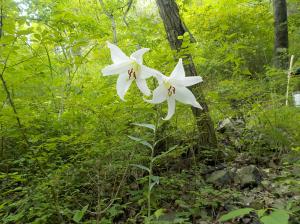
{"x": 276, "y": 217}
{"x": 150, "y": 126}
{"x": 236, "y": 213}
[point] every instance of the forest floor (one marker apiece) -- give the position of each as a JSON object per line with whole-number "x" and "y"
{"x": 201, "y": 190}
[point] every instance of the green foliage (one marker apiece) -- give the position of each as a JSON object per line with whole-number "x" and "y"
{"x": 65, "y": 155}
{"x": 79, "y": 214}
{"x": 236, "y": 213}
{"x": 277, "y": 216}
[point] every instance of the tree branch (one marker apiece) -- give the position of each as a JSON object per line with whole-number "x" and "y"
{"x": 10, "y": 100}
{"x": 129, "y": 4}
{"x": 112, "y": 19}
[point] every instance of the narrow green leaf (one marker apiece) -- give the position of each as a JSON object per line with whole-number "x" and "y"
{"x": 150, "y": 126}
{"x": 155, "y": 180}
{"x": 141, "y": 167}
{"x": 142, "y": 141}
{"x": 235, "y": 213}
{"x": 165, "y": 153}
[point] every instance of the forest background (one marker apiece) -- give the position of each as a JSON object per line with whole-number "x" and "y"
{"x": 65, "y": 152}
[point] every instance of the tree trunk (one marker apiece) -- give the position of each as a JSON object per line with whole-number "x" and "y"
{"x": 281, "y": 44}
{"x": 175, "y": 27}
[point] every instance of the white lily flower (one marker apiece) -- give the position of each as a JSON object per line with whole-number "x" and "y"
{"x": 174, "y": 88}
{"x": 129, "y": 69}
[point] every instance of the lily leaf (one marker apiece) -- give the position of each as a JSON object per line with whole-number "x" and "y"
{"x": 142, "y": 141}
{"x": 141, "y": 167}
{"x": 155, "y": 180}
{"x": 165, "y": 153}
{"x": 150, "y": 126}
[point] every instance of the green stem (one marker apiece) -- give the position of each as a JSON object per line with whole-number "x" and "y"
{"x": 149, "y": 184}
{"x": 151, "y": 164}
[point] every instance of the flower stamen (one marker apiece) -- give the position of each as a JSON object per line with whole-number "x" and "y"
{"x": 131, "y": 73}
{"x": 171, "y": 90}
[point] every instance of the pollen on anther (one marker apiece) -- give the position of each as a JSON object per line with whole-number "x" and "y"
{"x": 130, "y": 73}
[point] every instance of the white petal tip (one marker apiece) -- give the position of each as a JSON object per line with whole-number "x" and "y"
{"x": 197, "y": 105}
{"x": 103, "y": 72}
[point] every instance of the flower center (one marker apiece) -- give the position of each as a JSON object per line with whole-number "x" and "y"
{"x": 171, "y": 89}
{"x": 134, "y": 71}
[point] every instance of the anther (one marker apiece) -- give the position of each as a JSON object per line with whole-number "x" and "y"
{"x": 130, "y": 72}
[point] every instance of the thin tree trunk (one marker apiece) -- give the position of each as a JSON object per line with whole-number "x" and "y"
{"x": 281, "y": 43}
{"x": 4, "y": 84}
{"x": 175, "y": 27}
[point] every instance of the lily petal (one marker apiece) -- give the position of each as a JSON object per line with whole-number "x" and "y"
{"x": 142, "y": 85}
{"x": 123, "y": 84}
{"x": 117, "y": 55}
{"x": 159, "y": 95}
{"x": 178, "y": 72}
{"x": 117, "y": 68}
{"x": 184, "y": 95}
{"x": 138, "y": 55}
{"x": 147, "y": 72}
{"x": 187, "y": 81}
{"x": 171, "y": 108}
{"x": 161, "y": 78}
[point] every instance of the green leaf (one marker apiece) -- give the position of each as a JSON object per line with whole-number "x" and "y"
{"x": 155, "y": 180}
{"x": 159, "y": 212}
{"x": 276, "y": 217}
{"x": 24, "y": 32}
{"x": 165, "y": 153}
{"x": 79, "y": 214}
{"x": 37, "y": 36}
{"x": 150, "y": 126}
{"x": 14, "y": 217}
{"x": 142, "y": 141}
{"x": 141, "y": 167}
{"x": 235, "y": 213}
{"x": 261, "y": 212}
